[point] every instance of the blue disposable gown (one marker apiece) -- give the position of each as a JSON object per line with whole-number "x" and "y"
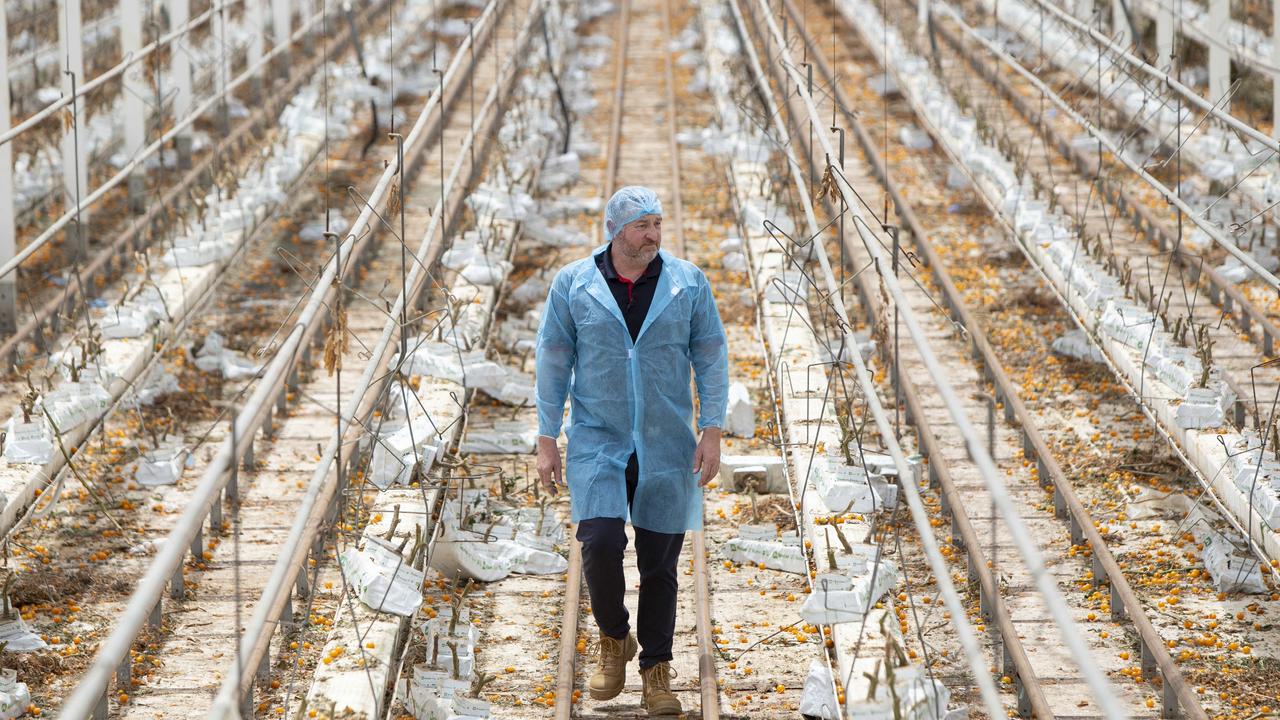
{"x": 632, "y": 396}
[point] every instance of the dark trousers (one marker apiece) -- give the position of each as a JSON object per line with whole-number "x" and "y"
{"x": 657, "y": 554}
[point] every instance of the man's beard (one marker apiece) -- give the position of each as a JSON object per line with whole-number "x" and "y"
{"x": 646, "y": 255}
{"x": 642, "y": 255}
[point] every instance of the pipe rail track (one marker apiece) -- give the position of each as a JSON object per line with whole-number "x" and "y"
{"x": 278, "y": 379}
{"x": 951, "y": 598}
{"x": 119, "y": 68}
{"x": 1030, "y": 695}
{"x": 1211, "y": 109}
{"x": 1257, "y": 538}
{"x": 180, "y": 126}
{"x": 1177, "y": 694}
{"x": 20, "y": 505}
{"x": 205, "y": 77}
{"x": 111, "y": 260}
{"x": 939, "y": 566}
{"x": 25, "y": 69}
{"x": 1103, "y": 692}
{"x": 1222, "y": 292}
{"x": 326, "y": 485}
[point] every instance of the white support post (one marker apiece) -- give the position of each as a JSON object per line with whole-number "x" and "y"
{"x": 1120, "y": 24}
{"x": 1219, "y": 57}
{"x": 75, "y": 166}
{"x": 8, "y": 231}
{"x": 180, "y": 68}
{"x": 222, "y": 68}
{"x": 135, "y": 110}
{"x": 282, "y": 28}
{"x": 306, "y": 8}
{"x": 1275, "y": 62}
{"x": 256, "y": 14}
{"x": 1164, "y": 37}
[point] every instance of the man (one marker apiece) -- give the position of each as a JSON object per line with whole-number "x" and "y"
{"x": 619, "y": 335}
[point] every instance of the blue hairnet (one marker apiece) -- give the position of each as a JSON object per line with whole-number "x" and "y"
{"x": 628, "y": 205}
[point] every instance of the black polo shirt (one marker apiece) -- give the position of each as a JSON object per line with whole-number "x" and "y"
{"x": 633, "y": 296}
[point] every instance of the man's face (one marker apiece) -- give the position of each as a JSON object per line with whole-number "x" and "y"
{"x": 640, "y": 239}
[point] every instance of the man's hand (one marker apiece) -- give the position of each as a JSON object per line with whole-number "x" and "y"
{"x": 550, "y": 473}
{"x": 707, "y": 457}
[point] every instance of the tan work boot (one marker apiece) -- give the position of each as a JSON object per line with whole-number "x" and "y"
{"x": 656, "y": 694}
{"x": 612, "y": 675}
